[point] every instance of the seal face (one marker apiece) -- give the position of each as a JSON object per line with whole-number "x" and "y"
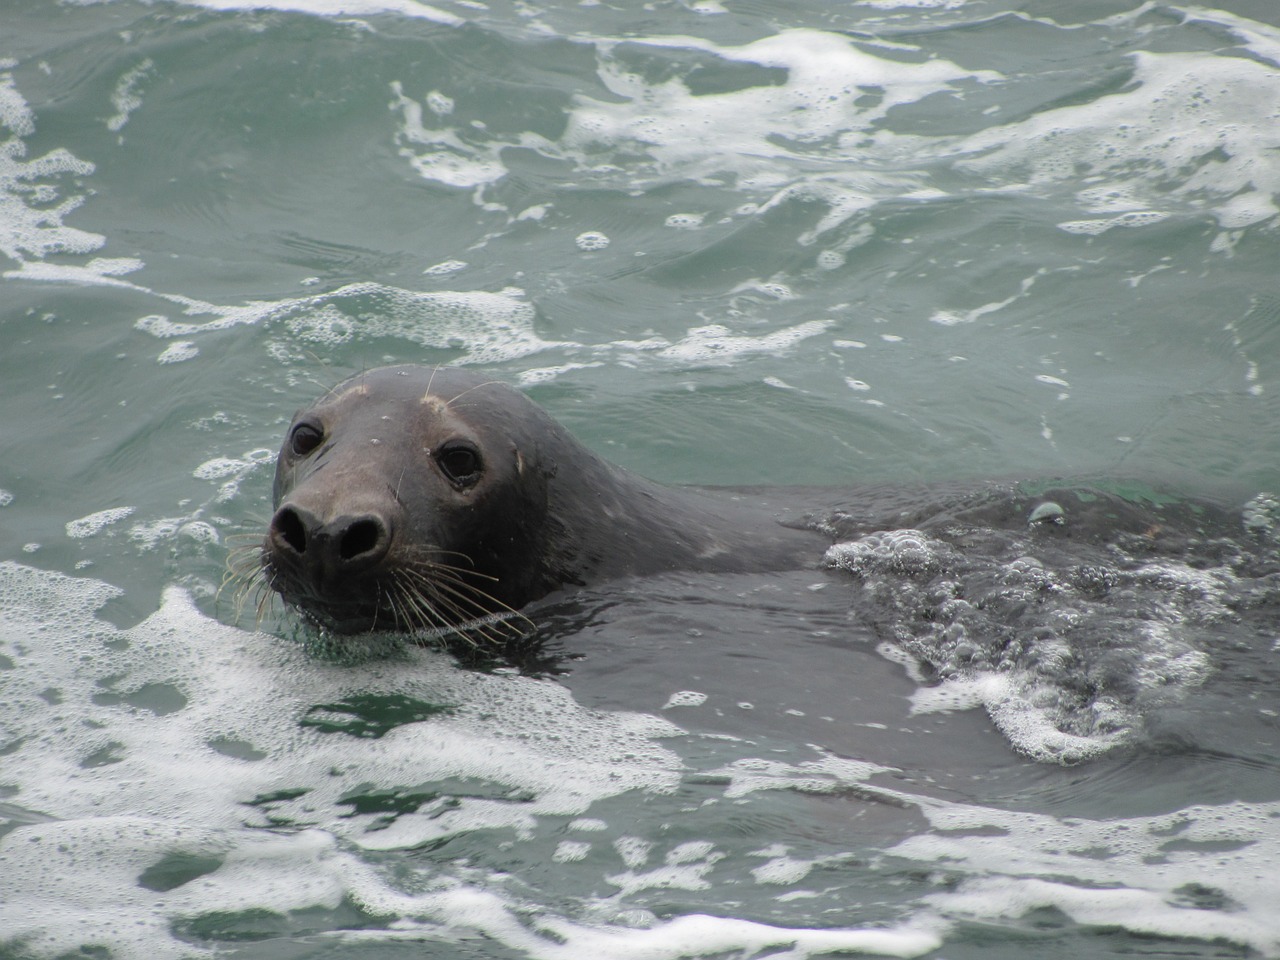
{"x": 411, "y": 498}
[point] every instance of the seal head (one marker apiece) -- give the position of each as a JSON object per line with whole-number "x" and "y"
{"x": 412, "y": 498}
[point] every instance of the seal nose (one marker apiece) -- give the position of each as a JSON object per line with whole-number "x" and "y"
{"x": 344, "y": 545}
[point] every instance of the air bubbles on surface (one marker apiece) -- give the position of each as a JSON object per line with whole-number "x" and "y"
{"x": 715, "y": 344}
{"x": 445, "y": 268}
{"x": 907, "y": 552}
{"x": 591, "y": 240}
{"x": 1092, "y": 228}
{"x": 439, "y": 104}
{"x": 1047, "y": 514}
{"x": 1261, "y": 515}
{"x": 326, "y": 324}
{"x": 94, "y": 523}
{"x": 685, "y": 698}
{"x": 178, "y": 351}
{"x": 685, "y": 221}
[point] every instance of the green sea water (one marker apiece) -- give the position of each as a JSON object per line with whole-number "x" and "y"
{"x": 838, "y": 245}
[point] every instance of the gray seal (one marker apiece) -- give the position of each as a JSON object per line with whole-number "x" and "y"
{"x": 414, "y": 498}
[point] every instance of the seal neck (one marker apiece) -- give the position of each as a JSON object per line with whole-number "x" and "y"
{"x": 627, "y": 525}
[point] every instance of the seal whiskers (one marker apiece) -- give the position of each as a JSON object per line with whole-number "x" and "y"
{"x": 438, "y": 586}
{"x": 247, "y": 574}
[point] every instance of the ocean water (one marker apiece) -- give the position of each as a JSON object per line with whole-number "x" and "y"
{"x": 892, "y": 251}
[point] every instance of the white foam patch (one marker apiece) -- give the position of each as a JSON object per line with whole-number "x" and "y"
{"x": 1093, "y": 228}
{"x": 591, "y": 240}
{"x": 445, "y": 268}
{"x": 336, "y": 8}
{"x": 1033, "y": 696}
{"x": 98, "y": 272}
{"x": 827, "y": 76}
{"x": 36, "y": 194}
{"x": 825, "y": 775}
{"x": 1022, "y": 708}
{"x": 781, "y": 868}
{"x": 94, "y": 523}
{"x": 686, "y": 867}
{"x": 759, "y": 133}
{"x": 715, "y": 344}
{"x": 765, "y": 137}
{"x": 455, "y": 158}
{"x": 1203, "y": 872}
{"x": 122, "y": 736}
{"x": 178, "y": 352}
{"x": 126, "y": 98}
{"x": 685, "y": 221}
{"x": 488, "y": 327}
{"x": 569, "y": 851}
{"x": 536, "y": 375}
{"x": 952, "y": 318}
{"x": 15, "y": 114}
{"x": 685, "y": 698}
{"x": 686, "y": 936}
{"x": 326, "y": 324}
{"x": 896, "y": 552}
{"x": 1197, "y": 120}
{"x": 156, "y": 771}
{"x": 1190, "y": 134}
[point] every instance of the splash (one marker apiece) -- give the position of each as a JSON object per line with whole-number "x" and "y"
{"x": 1068, "y": 635}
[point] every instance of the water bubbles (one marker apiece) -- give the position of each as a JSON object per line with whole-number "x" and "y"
{"x": 570, "y": 851}
{"x": 716, "y": 344}
{"x": 1261, "y": 515}
{"x": 94, "y": 523}
{"x": 685, "y": 221}
{"x": 178, "y": 351}
{"x": 1047, "y": 514}
{"x": 1094, "y": 227}
{"x": 685, "y": 698}
{"x": 439, "y": 104}
{"x": 327, "y": 325}
{"x": 445, "y": 268}
{"x": 893, "y": 551}
{"x": 591, "y": 240}
{"x": 218, "y": 468}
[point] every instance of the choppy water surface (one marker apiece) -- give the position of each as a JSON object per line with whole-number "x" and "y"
{"x": 901, "y": 255}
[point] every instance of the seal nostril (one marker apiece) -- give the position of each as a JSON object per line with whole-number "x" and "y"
{"x": 291, "y": 528}
{"x": 359, "y": 538}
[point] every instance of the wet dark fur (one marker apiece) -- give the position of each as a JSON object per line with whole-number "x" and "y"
{"x": 371, "y": 532}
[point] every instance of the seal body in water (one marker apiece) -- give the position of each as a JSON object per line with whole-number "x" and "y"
{"x": 413, "y": 497}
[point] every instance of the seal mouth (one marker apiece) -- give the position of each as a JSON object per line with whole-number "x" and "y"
{"x": 403, "y": 595}
{"x": 351, "y": 608}
{"x": 349, "y": 620}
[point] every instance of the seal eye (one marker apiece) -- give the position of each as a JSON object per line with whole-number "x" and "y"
{"x": 460, "y": 463}
{"x": 305, "y": 438}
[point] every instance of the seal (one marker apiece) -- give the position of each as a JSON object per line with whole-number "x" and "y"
{"x": 416, "y": 498}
